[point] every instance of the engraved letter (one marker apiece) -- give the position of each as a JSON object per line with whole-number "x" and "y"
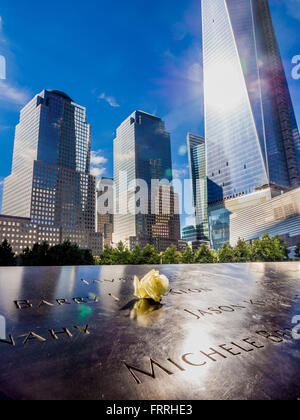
{"x": 54, "y": 334}
{"x": 151, "y": 373}
{"x": 33, "y": 336}
{"x": 23, "y": 304}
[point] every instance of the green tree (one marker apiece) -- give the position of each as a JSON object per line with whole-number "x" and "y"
{"x": 36, "y": 256}
{"x": 87, "y": 256}
{"x": 269, "y": 249}
{"x": 204, "y": 255}
{"x": 281, "y": 251}
{"x": 150, "y": 255}
{"x": 7, "y": 256}
{"x": 242, "y": 251}
{"x": 226, "y": 254}
{"x": 171, "y": 256}
{"x": 188, "y": 256}
{"x": 137, "y": 256}
{"x": 107, "y": 256}
{"x": 121, "y": 255}
{"x": 298, "y": 251}
{"x": 58, "y": 255}
{"x": 68, "y": 253}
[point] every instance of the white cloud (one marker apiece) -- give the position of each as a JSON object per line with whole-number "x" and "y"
{"x": 109, "y": 99}
{"x": 97, "y": 172}
{"x": 97, "y": 162}
{"x": 97, "y": 158}
{"x": 182, "y": 151}
{"x": 9, "y": 93}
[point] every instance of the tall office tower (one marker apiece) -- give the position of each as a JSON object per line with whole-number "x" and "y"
{"x": 105, "y": 209}
{"x": 50, "y": 181}
{"x": 142, "y": 151}
{"x": 250, "y": 126}
{"x": 197, "y": 162}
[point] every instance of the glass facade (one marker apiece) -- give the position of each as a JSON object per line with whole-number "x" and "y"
{"x": 105, "y": 209}
{"x": 250, "y": 127}
{"x": 50, "y": 181}
{"x": 279, "y": 216}
{"x": 142, "y": 151}
{"x": 197, "y": 162}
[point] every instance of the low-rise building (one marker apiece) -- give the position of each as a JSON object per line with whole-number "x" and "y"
{"x": 21, "y": 233}
{"x": 278, "y": 216}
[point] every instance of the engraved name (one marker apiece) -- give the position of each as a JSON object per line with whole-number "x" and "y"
{"x": 27, "y": 304}
{"x": 219, "y": 310}
{"x": 51, "y": 334}
{"x": 214, "y": 354}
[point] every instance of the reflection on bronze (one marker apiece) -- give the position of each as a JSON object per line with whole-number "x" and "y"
{"x": 189, "y": 291}
{"x": 185, "y": 359}
{"x": 206, "y": 356}
{"x": 142, "y": 311}
{"x": 238, "y": 321}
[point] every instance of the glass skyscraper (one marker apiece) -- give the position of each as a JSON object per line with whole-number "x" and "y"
{"x": 50, "y": 181}
{"x": 250, "y": 126}
{"x": 197, "y": 162}
{"x": 142, "y": 151}
{"x": 105, "y": 209}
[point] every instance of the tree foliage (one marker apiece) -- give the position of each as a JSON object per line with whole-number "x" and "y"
{"x": 7, "y": 256}
{"x": 150, "y": 256}
{"x": 188, "y": 256}
{"x": 171, "y": 256}
{"x": 58, "y": 255}
{"x": 242, "y": 251}
{"x": 226, "y": 254}
{"x": 298, "y": 251}
{"x": 122, "y": 255}
{"x": 269, "y": 249}
{"x": 137, "y": 257}
{"x": 204, "y": 255}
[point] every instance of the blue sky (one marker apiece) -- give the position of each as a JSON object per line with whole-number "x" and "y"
{"x": 113, "y": 58}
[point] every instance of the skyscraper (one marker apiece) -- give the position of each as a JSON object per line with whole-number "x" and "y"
{"x": 250, "y": 126}
{"x": 50, "y": 181}
{"x": 142, "y": 151}
{"x": 105, "y": 209}
{"x": 197, "y": 162}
